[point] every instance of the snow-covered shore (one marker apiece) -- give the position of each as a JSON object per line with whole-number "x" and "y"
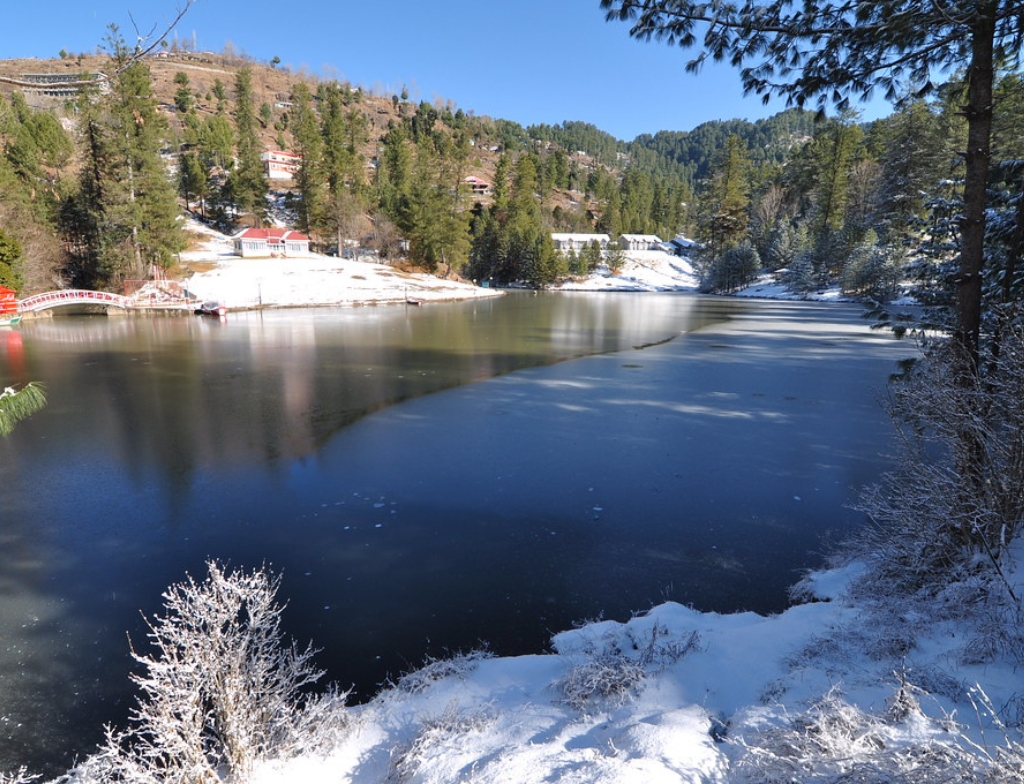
{"x": 214, "y": 272}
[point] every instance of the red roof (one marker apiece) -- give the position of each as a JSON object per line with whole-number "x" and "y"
{"x": 273, "y": 235}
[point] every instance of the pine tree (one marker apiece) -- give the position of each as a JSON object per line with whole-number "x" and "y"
{"x": 834, "y": 151}
{"x": 394, "y": 175}
{"x": 344, "y": 132}
{"x": 126, "y": 219}
{"x": 911, "y": 168}
{"x": 247, "y": 186}
{"x": 722, "y": 220}
{"x": 305, "y": 128}
{"x": 438, "y": 228}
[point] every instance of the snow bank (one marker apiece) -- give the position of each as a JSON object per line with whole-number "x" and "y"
{"x": 305, "y": 281}
{"x": 643, "y": 270}
{"x": 675, "y": 695}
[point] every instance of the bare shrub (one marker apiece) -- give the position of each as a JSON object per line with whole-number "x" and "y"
{"x": 22, "y": 776}
{"x": 954, "y": 502}
{"x": 835, "y": 742}
{"x": 435, "y": 735}
{"x": 611, "y": 673}
{"x": 221, "y": 691}
{"x": 459, "y": 665}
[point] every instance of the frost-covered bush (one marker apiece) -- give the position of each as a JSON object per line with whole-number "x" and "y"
{"x": 435, "y": 736}
{"x": 946, "y": 514}
{"x": 873, "y": 271}
{"x": 21, "y": 777}
{"x": 833, "y": 742}
{"x": 733, "y": 270}
{"x": 459, "y": 665}
{"x": 608, "y": 677}
{"x": 800, "y": 276}
{"x": 611, "y": 669}
{"x": 220, "y": 692}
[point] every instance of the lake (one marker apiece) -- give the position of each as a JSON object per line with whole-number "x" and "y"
{"x": 427, "y": 479}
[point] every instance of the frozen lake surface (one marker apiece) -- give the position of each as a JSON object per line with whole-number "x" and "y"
{"x": 426, "y": 479}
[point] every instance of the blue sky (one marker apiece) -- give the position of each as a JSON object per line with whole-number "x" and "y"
{"x": 532, "y": 61}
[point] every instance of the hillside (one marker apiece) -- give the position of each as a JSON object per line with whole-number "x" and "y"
{"x": 677, "y": 153}
{"x": 272, "y": 86}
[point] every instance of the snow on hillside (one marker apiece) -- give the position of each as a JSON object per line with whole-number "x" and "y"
{"x": 643, "y": 270}
{"x": 219, "y": 275}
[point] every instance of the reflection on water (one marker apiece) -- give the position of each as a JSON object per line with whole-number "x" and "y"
{"x": 499, "y": 512}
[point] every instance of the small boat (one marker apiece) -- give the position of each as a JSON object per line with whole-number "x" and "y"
{"x": 9, "y": 321}
{"x": 212, "y": 309}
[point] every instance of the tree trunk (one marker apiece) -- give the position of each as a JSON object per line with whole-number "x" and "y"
{"x": 972, "y": 465}
{"x": 979, "y": 133}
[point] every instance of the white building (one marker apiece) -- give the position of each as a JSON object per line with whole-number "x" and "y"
{"x": 564, "y": 243}
{"x": 639, "y": 242}
{"x": 256, "y": 243}
{"x": 279, "y": 165}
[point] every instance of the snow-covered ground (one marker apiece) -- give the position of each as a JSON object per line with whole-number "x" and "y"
{"x": 642, "y": 270}
{"x": 218, "y": 274}
{"x": 818, "y": 692}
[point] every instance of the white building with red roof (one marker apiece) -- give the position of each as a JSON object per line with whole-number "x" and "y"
{"x": 281, "y": 165}
{"x": 256, "y": 243}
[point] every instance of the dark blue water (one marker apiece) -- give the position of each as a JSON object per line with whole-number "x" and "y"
{"x": 426, "y": 479}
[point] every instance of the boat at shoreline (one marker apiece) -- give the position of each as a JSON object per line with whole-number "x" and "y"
{"x": 9, "y": 320}
{"x": 212, "y": 309}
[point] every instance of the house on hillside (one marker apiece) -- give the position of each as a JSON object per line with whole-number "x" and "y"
{"x": 477, "y": 186}
{"x": 280, "y": 165}
{"x": 566, "y": 243}
{"x": 639, "y": 242}
{"x": 257, "y": 243}
{"x": 681, "y": 245}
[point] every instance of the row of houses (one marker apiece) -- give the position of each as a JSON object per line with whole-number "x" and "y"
{"x": 262, "y": 243}
{"x": 575, "y": 243}
{"x": 284, "y": 165}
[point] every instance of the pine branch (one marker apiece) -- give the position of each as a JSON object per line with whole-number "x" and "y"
{"x": 16, "y": 405}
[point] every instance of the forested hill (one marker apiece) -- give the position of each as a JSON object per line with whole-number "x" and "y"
{"x": 690, "y": 153}
{"x": 684, "y": 154}
{"x": 679, "y": 154}
{"x": 424, "y": 183}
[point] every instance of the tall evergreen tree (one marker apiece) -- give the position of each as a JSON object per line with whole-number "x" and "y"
{"x": 344, "y": 132}
{"x": 834, "y": 151}
{"x": 911, "y": 166}
{"x": 127, "y": 210}
{"x": 248, "y": 188}
{"x": 310, "y": 180}
{"x": 722, "y": 221}
{"x": 394, "y": 174}
{"x": 438, "y": 227}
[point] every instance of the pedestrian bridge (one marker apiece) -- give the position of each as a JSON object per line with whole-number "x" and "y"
{"x": 57, "y": 299}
